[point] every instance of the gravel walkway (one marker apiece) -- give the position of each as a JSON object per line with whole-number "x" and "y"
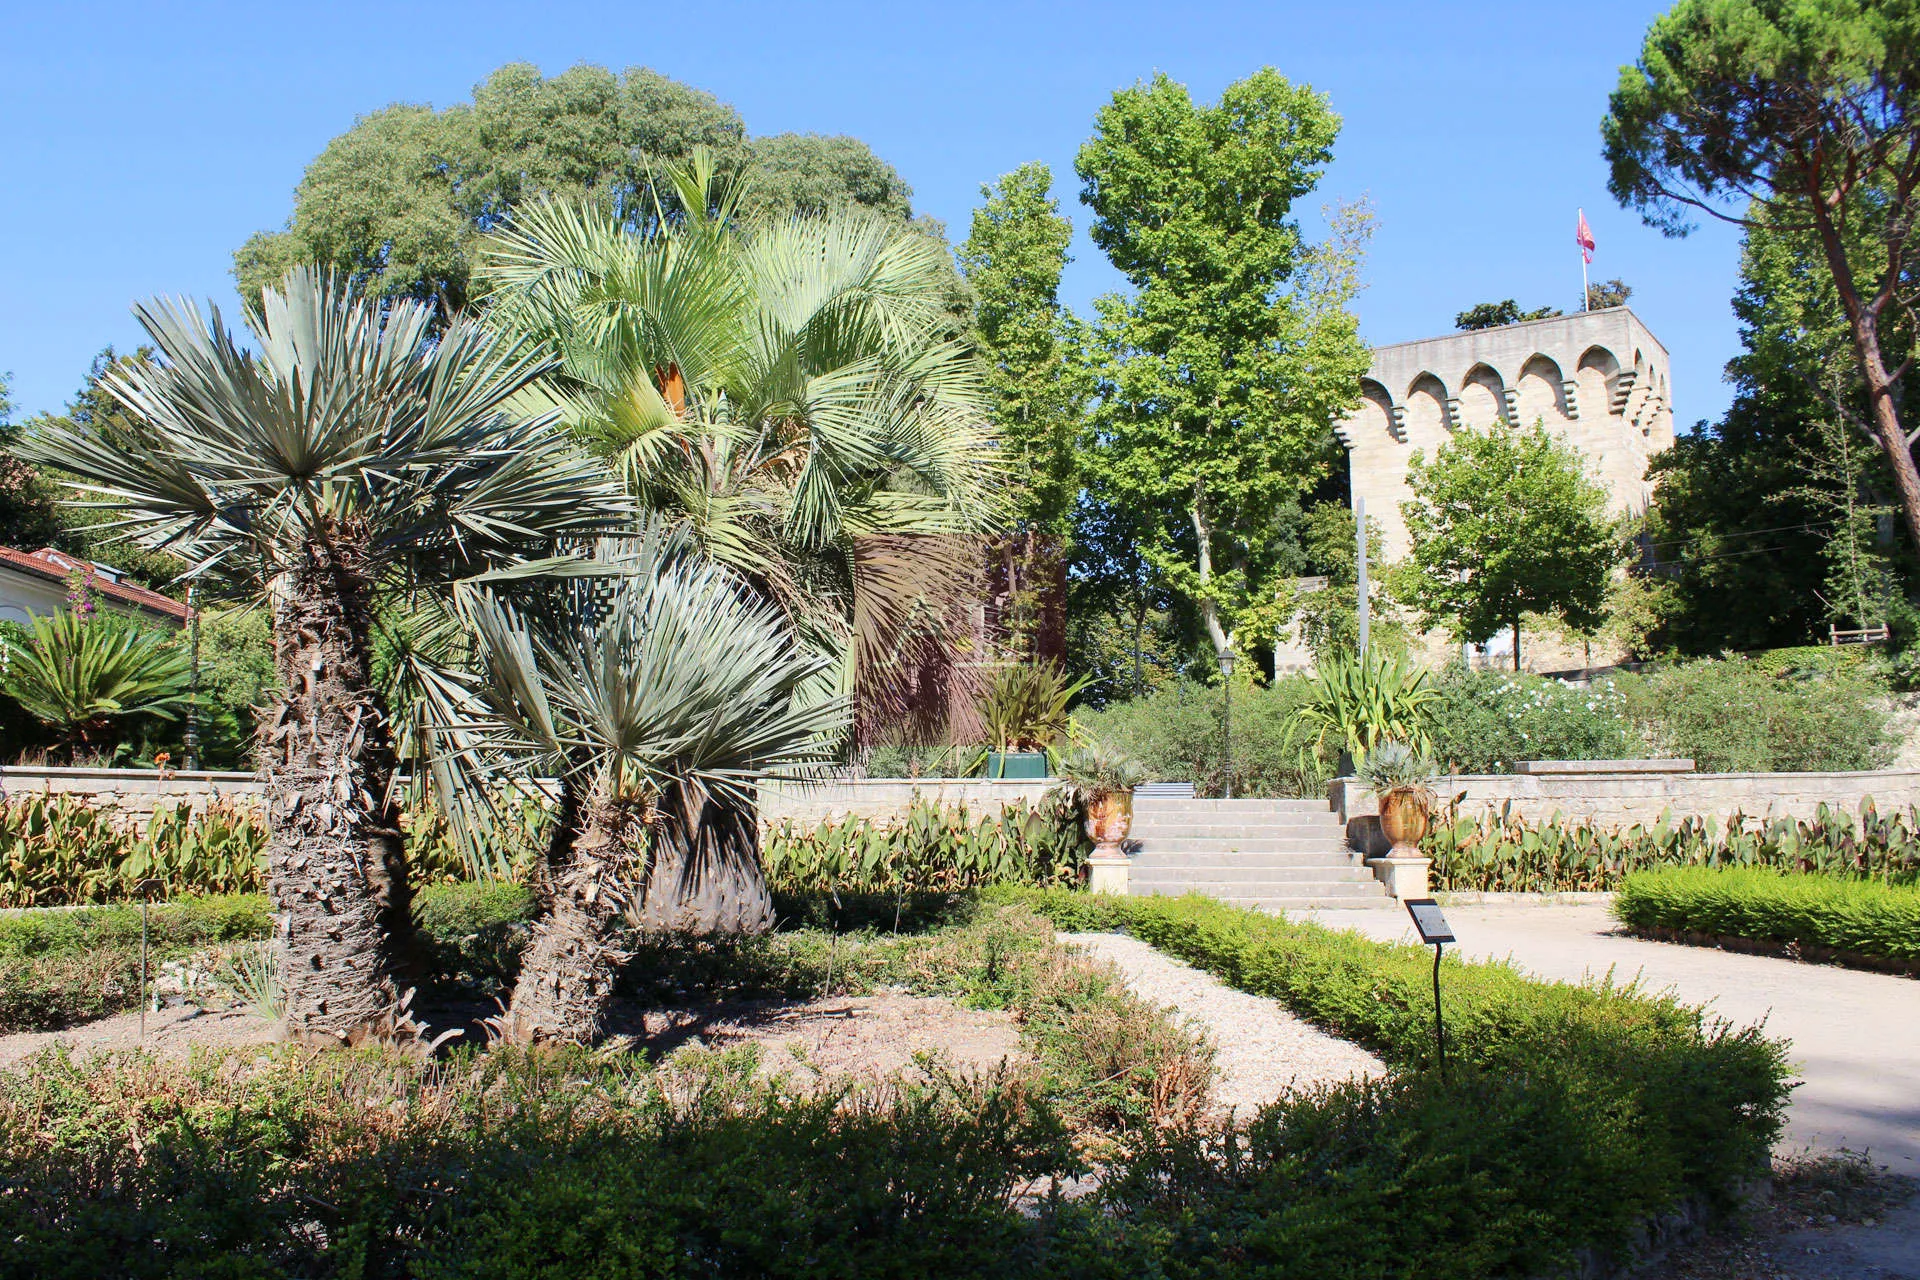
{"x": 1264, "y": 1051}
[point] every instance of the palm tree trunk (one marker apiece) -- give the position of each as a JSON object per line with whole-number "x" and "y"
{"x": 705, "y": 875}
{"x": 336, "y": 862}
{"x": 567, "y": 974}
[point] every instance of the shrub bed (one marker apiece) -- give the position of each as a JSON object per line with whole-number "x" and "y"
{"x": 1501, "y": 852}
{"x": 62, "y": 850}
{"x": 1567, "y": 1118}
{"x": 1572, "y": 1114}
{"x": 1488, "y": 721}
{"x": 1854, "y": 921}
{"x": 932, "y": 849}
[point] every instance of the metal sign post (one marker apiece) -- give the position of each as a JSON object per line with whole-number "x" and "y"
{"x": 1436, "y": 933}
{"x": 146, "y": 889}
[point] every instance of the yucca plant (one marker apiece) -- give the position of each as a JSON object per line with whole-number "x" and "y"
{"x": 1024, "y": 706}
{"x": 1095, "y": 771}
{"x": 350, "y": 451}
{"x": 659, "y": 694}
{"x": 1361, "y": 700}
{"x": 82, "y": 676}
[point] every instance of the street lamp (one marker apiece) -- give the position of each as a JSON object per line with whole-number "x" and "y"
{"x": 1226, "y": 671}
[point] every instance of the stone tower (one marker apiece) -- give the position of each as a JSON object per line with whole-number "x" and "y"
{"x": 1597, "y": 378}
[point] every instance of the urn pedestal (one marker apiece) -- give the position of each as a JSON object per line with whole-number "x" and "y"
{"x": 1404, "y": 820}
{"x": 1109, "y": 818}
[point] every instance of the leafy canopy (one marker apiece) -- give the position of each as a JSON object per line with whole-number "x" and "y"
{"x": 1506, "y": 522}
{"x": 1222, "y": 375}
{"x": 79, "y": 674}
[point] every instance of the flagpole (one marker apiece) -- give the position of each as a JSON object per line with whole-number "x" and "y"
{"x": 1586, "y": 290}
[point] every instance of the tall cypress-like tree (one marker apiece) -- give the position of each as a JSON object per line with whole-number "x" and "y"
{"x": 1037, "y": 376}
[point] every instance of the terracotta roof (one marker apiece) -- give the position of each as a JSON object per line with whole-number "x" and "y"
{"x": 56, "y": 565}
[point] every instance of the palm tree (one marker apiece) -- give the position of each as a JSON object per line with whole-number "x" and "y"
{"x": 349, "y": 454}
{"x": 79, "y": 674}
{"x": 659, "y": 693}
{"x": 787, "y": 393}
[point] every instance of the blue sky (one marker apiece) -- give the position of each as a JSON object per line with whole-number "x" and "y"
{"x": 140, "y": 143}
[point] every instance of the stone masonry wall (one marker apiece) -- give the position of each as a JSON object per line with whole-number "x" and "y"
{"x": 135, "y": 792}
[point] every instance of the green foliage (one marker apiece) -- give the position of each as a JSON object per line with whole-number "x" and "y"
{"x": 1024, "y": 706}
{"x": 1603, "y": 294}
{"x": 1735, "y": 716}
{"x": 1492, "y": 315}
{"x": 83, "y": 673}
{"x": 57, "y": 850}
{"x": 1855, "y": 918}
{"x": 1394, "y": 766}
{"x": 931, "y": 849}
{"x": 1506, "y": 522}
{"x": 1489, "y": 721}
{"x": 237, "y": 676}
{"x": 1360, "y": 700}
{"x": 1502, "y": 852}
{"x": 1176, "y": 733}
{"x": 1013, "y": 257}
{"x": 58, "y": 969}
{"x": 398, "y": 200}
{"x": 1801, "y": 117}
{"x": 1581, "y": 1111}
{"x": 1330, "y": 617}
{"x": 1221, "y": 377}
{"x": 1094, "y": 771}
{"x": 789, "y": 173}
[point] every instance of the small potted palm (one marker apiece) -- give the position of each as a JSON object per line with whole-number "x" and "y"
{"x": 1401, "y": 779}
{"x": 1100, "y": 782}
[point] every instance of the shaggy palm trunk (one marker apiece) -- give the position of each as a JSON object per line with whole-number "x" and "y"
{"x": 336, "y": 863}
{"x": 705, "y": 875}
{"x": 568, "y": 969}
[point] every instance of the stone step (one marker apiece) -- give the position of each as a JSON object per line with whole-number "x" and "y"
{"x": 1180, "y": 829}
{"x": 1180, "y": 861}
{"x": 1225, "y": 808}
{"x": 1241, "y": 875}
{"x": 1254, "y": 891}
{"x": 1322, "y": 843}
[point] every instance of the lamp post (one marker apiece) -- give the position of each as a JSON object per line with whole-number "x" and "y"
{"x": 1226, "y": 672}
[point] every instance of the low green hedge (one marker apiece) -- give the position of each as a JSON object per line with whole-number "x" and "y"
{"x": 1844, "y": 919}
{"x": 1649, "y": 1104}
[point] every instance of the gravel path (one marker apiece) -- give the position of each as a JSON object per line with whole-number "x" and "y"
{"x": 1264, "y": 1051}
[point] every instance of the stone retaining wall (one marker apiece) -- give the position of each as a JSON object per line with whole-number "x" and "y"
{"x": 135, "y": 792}
{"x": 888, "y": 798}
{"x": 1624, "y": 797}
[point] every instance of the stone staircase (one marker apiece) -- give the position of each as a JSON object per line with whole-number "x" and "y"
{"x": 1270, "y": 854}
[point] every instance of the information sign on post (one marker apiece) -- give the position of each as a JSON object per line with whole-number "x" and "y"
{"x": 1436, "y": 933}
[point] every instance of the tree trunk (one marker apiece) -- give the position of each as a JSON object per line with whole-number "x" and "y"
{"x": 1863, "y": 325}
{"x": 704, "y": 875}
{"x": 1209, "y": 607}
{"x": 568, "y": 970}
{"x": 336, "y": 861}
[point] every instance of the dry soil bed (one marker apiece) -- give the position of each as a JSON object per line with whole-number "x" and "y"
{"x": 861, "y": 1036}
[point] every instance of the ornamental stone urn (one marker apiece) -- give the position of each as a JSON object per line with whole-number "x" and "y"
{"x": 1404, "y": 818}
{"x": 1109, "y": 818}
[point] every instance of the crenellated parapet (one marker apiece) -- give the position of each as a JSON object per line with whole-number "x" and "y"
{"x": 1597, "y": 378}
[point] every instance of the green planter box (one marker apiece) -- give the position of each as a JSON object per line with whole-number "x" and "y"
{"x": 1023, "y": 765}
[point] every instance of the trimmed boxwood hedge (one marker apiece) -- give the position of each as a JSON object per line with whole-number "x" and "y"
{"x": 1858, "y": 921}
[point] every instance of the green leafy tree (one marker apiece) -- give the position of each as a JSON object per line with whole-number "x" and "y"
{"x": 1330, "y": 616}
{"x": 398, "y": 201}
{"x": 1798, "y": 115}
{"x": 27, "y": 518}
{"x": 1036, "y": 373}
{"x": 1506, "y": 522}
{"x": 350, "y": 453}
{"x": 1491, "y": 315}
{"x": 1222, "y": 375}
{"x": 1608, "y": 293}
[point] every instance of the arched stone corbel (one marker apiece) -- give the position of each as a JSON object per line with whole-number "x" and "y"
{"x": 1453, "y": 413}
{"x": 1571, "y": 390}
{"x": 1622, "y": 390}
{"x": 1397, "y": 422}
{"x": 1512, "y": 397}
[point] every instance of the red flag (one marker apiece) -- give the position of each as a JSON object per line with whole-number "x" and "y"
{"x": 1583, "y": 236}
